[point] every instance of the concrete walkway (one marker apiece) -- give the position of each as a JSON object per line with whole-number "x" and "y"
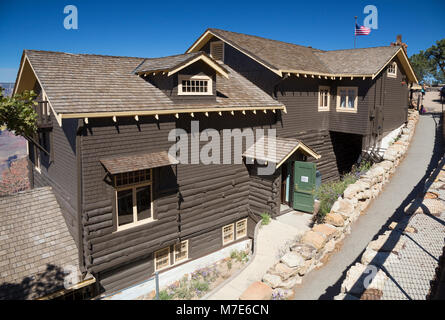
{"x": 271, "y": 240}
{"x": 406, "y": 183}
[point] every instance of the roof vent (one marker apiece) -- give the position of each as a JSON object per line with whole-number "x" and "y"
{"x": 217, "y": 50}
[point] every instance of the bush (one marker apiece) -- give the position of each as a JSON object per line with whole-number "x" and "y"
{"x": 329, "y": 192}
{"x": 240, "y": 256}
{"x": 265, "y": 217}
{"x": 164, "y": 295}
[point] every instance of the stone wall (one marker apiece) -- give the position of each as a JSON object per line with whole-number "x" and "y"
{"x": 308, "y": 252}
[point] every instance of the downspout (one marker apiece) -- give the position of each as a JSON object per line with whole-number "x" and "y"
{"x": 79, "y": 198}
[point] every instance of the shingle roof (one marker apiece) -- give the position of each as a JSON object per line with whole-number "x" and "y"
{"x": 136, "y": 162}
{"x": 35, "y": 245}
{"x": 165, "y": 63}
{"x": 357, "y": 61}
{"x": 284, "y": 57}
{"x": 83, "y": 83}
{"x": 277, "y": 54}
{"x": 275, "y": 149}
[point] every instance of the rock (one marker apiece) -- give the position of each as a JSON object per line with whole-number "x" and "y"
{"x": 282, "y": 294}
{"x": 330, "y": 246}
{"x": 257, "y": 291}
{"x": 343, "y": 207}
{"x": 335, "y": 219}
{"x": 315, "y": 239}
{"x": 305, "y": 269}
{"x": 351, "y": 191}
{"x": 367, "y": 194}
{"x": 290, "y": 283}
{"x": 390, "y": 155}
{"x": 284, "y": 271}
{"x": 363, "y": 184}
{"x": 388, "y": 242}
{"x": 272, "y": 280}
{"x": 326, "y": 229}
{"x": 293, "y": 259}
{"x": 378, "y": 258}
{"x": 393, "y": 225}
{"x": 307, "y": 251}
{"x": 363, "y": 204}
{"x": 360, "y": 277}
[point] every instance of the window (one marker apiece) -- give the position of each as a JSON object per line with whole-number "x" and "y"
{"x": 37, "y": 159}
{"x": 228, "y": 234}
{"x": 162, "y": 258}
{"x": 217, "y": 50}
{"x": 134, "y": 198}
{"x": 181, "y": 251}
{"x": 194, "y": 85}
{"x": 323, "y": 98}
{"x": 347, "y": 99}
{"x": 392, "y": 70}
{"x": 241, "y": 228}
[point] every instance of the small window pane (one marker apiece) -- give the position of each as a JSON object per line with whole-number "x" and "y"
{"x": 343, "y": 98}
{"x": 162, "y": 258}
{"x": 143, "y": 200}
{"x": 124, "y": 207}
{"x": 351, "y": 98}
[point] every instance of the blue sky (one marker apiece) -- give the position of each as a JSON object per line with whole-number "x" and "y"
{"x": 159, "y": 28}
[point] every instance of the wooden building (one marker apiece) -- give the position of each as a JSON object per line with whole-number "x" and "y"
{"x": 132, "y": 208}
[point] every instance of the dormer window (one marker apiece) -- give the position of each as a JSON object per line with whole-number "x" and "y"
{"x": 392, "y": 70}
{"x": 217, "y": 50}
{"x": 194, "y": 85}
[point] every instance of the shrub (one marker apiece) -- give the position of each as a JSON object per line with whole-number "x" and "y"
{"x": 239, "y": 255}
{"x": 164, "y": 295}
{"x": 265, "y": 217}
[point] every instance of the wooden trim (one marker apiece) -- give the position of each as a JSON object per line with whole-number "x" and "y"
{"x": 205, "y": 59}
{"x": 304, "y": 148}
{"x": 236, "y": 229}
{"x": 174, "y": 252}
{"x": 326, "y": 75}
{"x": 232, "y": 226}
{"x": 163, "y": 112}
{"x": 155, "y": 259}
{"x": 63, "y": 292}
{"x": 346, "y": 109}
{"x": 198, "y": 77}
{"x": 324, "y": 108}
{"x": 404, "y": 61}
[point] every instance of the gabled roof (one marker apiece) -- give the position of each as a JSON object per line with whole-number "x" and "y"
{"x": 36, "y": 246}
{"x": 282, "y": 57}
{"x": 173, "y": 64}
{"x": 85, "y": 85}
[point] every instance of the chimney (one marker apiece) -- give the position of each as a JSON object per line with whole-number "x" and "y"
{"x": 400, "y": 43}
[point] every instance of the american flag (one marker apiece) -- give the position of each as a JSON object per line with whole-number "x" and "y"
{"x": 361, "y": 30}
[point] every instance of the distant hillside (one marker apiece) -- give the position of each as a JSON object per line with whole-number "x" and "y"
{"x": 8, "y": 86}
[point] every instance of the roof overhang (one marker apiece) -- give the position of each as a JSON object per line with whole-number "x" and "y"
{"x": 277, "y": 150}
{"x": 208, "y": 34}
{"x": 26, "y": 79}
{"x": 403, "y": 58}
{"x": 202, "y": 57}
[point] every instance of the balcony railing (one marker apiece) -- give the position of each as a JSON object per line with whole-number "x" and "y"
{"x": 43, "y": 114}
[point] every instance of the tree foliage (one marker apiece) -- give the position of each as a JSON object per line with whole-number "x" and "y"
{"x": 17, "y": 113}
{"x": 430, "y": 64}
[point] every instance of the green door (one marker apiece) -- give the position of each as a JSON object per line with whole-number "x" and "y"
{"x": 304, "y": 186}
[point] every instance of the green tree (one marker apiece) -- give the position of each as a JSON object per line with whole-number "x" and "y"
{"x": 421, "y": 65}
{"x": 17, "y": 113}
{"x": 436, "y": 55}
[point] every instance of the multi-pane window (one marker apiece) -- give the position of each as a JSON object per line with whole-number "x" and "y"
{"x": 228, "y": 233}
{"x": 194, "y": 85}
{"x": 392, "y": 70}
{"x": 241, "y": 228}
{"x": 347, "y": 99}
{"x": 323, "y": 98}
{"x": 162, "y": 258}
{"x": 133, "y": 198}
{"x": 181, "y": 251}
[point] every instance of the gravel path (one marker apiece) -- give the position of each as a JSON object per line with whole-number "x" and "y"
{"x": 407, "y": 182}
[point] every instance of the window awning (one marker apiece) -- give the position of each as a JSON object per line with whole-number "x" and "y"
{"x": 135, "y": 162}
{"x": 284, "y": 148}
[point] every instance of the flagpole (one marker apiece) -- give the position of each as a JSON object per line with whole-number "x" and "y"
{"x": 355, "y": 37}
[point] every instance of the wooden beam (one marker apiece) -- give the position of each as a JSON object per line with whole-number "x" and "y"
{"x": 254, "y": 111}
{"x": 244, "y": 112}
{"x": 207, "y": 114}
{"x": 232, "y": 112}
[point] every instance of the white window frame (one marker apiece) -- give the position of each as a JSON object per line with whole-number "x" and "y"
{"x": 394, "y": 73}
{"x": 233, "y": 234}
{"x": 175, "y": 250}
{"x": 245, "y": 229}
{"x": 212, "y": 44}
{"x": 197, "y": 77}
{"x": 133, "y": 187}
{"x": 321, "y": 100}
{"x": 346, "y": 109}
{"x": 156, "y": 259}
